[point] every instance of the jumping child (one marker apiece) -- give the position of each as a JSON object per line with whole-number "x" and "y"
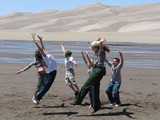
{"x": 70, "y": 75}
{"x": 50, "y": 72}
{"x": 112, "y": 89}
{"x": 41, "y": 69}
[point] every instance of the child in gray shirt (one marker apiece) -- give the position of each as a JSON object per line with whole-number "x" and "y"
{"x": 112, "y": 89}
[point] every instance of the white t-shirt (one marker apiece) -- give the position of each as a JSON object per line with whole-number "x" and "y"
{"x": 50, "y": 62}
{"x": 69, "y": 62}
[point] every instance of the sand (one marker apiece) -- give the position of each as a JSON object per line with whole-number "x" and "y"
{"x": 139, "y": 95}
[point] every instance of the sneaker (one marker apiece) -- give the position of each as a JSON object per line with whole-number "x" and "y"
{"x": 36, "y": 102}
{"x": 33, "y": 98}
{"x": 111, "y": 104}
{"x": 117, "y": 105}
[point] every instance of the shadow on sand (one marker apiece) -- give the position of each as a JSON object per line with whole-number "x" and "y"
{"x": 58, "y": 106}
{"x": 124, "y": 112}
{"x": 61, "y": 113}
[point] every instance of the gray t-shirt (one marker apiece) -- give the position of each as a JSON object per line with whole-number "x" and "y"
{"x": 116, "y": 72}
{"x": 99, "y": 58}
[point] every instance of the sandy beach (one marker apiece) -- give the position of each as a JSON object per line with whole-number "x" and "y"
{"x": 139, "y": 94}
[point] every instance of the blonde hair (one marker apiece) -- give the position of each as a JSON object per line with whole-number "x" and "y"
{"x": 92, "y": 62}
{"x": 96, "y": 44}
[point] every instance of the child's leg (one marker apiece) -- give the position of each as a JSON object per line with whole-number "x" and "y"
{"x": 35, "y": 93}
{"x": 72, "y": 88}
{"x": 77, "y": 88}
{"x": 109, "y": 92}
{"x": 116, "y": 93}
{"x": 40, "y": 81}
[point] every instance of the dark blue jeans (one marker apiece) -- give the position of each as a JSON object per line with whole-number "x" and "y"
{"x": 47, "y": 84}
{"x": 112, "y": 92}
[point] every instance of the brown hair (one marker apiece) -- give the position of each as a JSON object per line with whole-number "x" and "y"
{"x": 38, "y": 55}
{"x": 106, "y": 48}
{"x": 117, "y": 59}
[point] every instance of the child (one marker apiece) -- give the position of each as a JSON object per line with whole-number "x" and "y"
{"x": 41, "y": 69}
{"x": 70, "y": 75}
{"x": 50, "y": 72}
{"x": 40, "y": 65}
{"x": 112, "y": 89}
{"x": 90, "y": 70}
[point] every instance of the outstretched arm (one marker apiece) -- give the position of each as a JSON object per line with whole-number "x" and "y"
{"x": 101, "y": 45}
{"x": 74, "y": 62}
{"x": 27, "y": 67}
{"x": 40, "y": 49}
{"x": 89, "y": 59}
{"x": 84, "y": 57}
{"x": 107, "y": 61}
{"x": 42, "y": 45}
{"x": 122, "y": 60}
{"x": 63, "y": 49}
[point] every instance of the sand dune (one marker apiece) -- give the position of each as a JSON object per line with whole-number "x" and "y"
{"x": 96, "y": 17}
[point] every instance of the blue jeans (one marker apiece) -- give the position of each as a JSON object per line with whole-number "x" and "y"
{"x": 46, "y": 85}
{"x": 112, "y": 92}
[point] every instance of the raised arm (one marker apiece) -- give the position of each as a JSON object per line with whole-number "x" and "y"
{"x": 98, "y": 39}
{"x": 40, "y": 49}
{"x": 84, "y": 57}
{"x": 122, "y": 60}
{"x": 63, "y": 49}
{"x": 89, "y": 59}
{"x": 41, "y": 42}
{"x": 101, "y": 45}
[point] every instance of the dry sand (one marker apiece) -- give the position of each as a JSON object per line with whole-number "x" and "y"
{"x": 139, "y": 94}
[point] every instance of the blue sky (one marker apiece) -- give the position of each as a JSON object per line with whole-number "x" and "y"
{"x": 10, "y": 6}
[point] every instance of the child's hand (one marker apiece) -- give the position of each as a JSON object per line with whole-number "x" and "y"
{"x": 75, "y": 64}
{"x": 33, "y": 35}
{"x": 87, "y": 52}
{"x": 60, "y": 42}
{"x": 82, "y": 51}
{"x": 18, "y": 72}
{"x": 104, "y": 40}
{"x": 120, "y": 53}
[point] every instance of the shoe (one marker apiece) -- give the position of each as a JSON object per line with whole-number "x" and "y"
{"x": 41, "y": 100}
{"x": 111, "y": 104}
{"x": 73, "y": 103}
{"x": 117, "y": 105}
{"x": 36, "y": 102}
{"x": 33, "y": 98}
{"x": 95, "y": 110}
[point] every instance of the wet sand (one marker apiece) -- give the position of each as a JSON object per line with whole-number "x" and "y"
{"x": 139, "y": 95}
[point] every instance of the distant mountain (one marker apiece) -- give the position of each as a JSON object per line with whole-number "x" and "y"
{"x": 94, "y": 17}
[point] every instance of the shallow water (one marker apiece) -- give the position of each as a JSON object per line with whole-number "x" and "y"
{"x": 139, "y": 56}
